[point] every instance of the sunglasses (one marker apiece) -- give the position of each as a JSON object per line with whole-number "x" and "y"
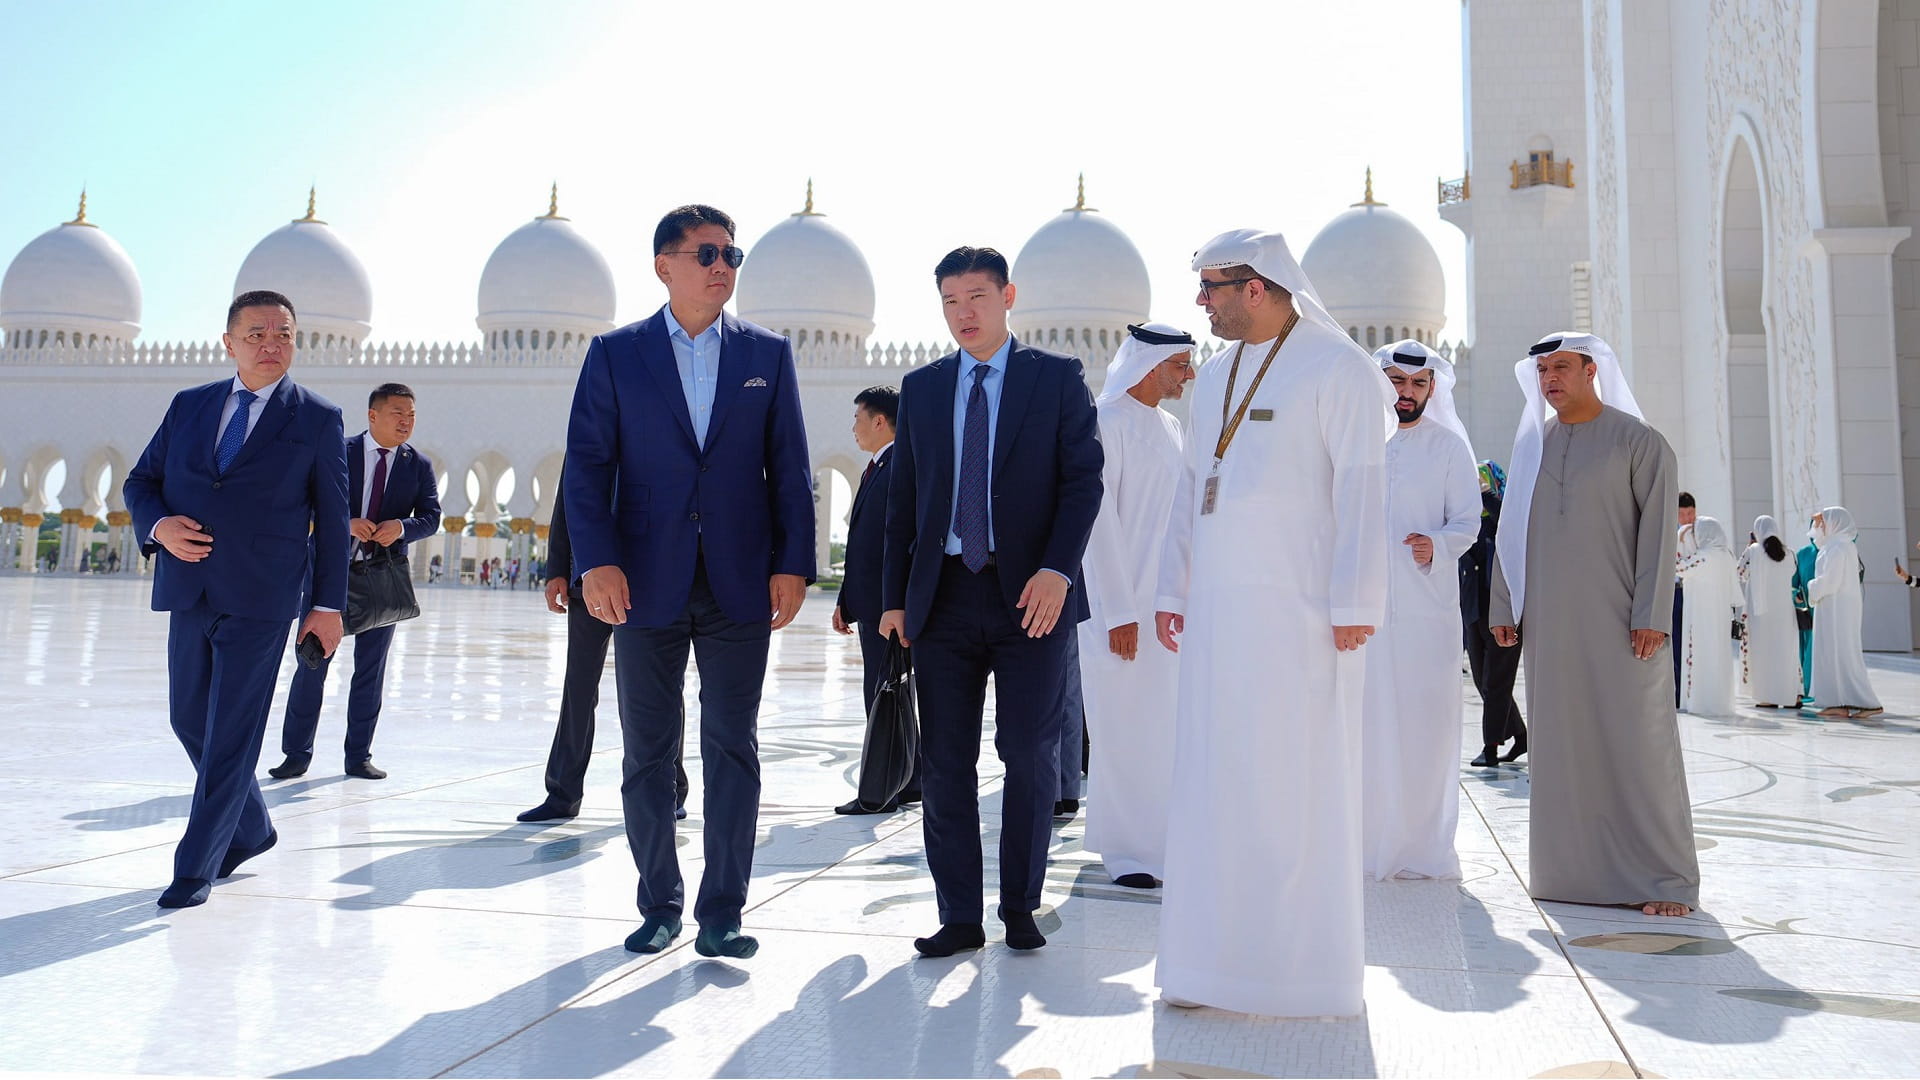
{"x": 707, "y": 253}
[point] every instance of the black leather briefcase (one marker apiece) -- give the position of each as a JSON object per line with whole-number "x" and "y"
{"x": 893, "y": 733}
{"x": 379, "y": 591}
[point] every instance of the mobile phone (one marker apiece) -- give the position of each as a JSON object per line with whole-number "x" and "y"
{"x": 311, "y": 652}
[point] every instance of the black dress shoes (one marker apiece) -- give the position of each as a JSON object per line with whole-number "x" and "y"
{"x": 1519, "y": 747}
{"x": 952, "y": 938}
{"x": 1489, "y": 757}
{"x": 186, "y": 892}
{"x": 1137, "y": 881}
{"x": 238, "y": 855}
{"x": 367, "y": 770}
{"x": 550, "y": 811}
{"x": 294, "y": 766}
{"x": 1065, "y": 809}
{"x": 858, "y": 807}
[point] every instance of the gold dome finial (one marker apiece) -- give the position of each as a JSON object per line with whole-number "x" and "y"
{"x": 81, "y": 217}
{"x": 808, "y": 210}
{"x": 311, "y": 217}
{"x": 553, "y": 205}
{"x": 1080, "y": 198}
{"x": 1368, "y": 199}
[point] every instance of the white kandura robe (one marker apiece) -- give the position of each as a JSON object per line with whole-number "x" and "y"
{"x": 1130, "y": 703}
{"x": 1262, "y": 907}
{"x": 1839, "y": 667}
{"x": 1771, "y": 651}
{"x": 1706, "y": 629}
{"x": 1411, "y": 727}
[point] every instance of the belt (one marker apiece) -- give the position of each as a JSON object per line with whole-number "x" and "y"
{"x": 993, "y": 561}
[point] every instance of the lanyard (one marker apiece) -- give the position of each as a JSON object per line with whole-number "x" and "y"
{"x": 1229, "y": 427}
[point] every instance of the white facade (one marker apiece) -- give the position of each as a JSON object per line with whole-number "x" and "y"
{"x": 1738, "y": 228}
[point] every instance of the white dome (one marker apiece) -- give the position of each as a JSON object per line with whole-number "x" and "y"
{"x": 806, "y": 275}
{"x": 545, "y": 276}
{"x": 308, "y": 264}
{"x": 75, "y": 279}
{"x": 1078, "y": 271}
{"x": 1373, "y": 267}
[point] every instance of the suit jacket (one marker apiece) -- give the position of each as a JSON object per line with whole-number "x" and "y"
{"x": 288, "y": 482}
{"x": 1046, "y": 480}
{"x": 559, "y": 547}
{"x": 1476, "y": 566}
{"x": 412, "y": 493}
{"x": 866, "y": 547}
{"x": 642, "y": 493}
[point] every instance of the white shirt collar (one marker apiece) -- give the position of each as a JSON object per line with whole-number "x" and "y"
{"x": 263, "y": 393}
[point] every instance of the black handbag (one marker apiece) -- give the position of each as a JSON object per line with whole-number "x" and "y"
{"x": 1803, "y": 617}
{"x": 893, "y": 733}
{"x": 379, "y": 591}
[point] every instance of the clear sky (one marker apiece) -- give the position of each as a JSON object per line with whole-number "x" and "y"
{"x": 433, "y": 127}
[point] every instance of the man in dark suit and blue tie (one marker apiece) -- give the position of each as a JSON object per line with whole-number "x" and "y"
{"x": 996, "y": 484}
{"x": 396, "y": 499}
{"x": 690, "y": 508}
{"x": 875, "y": 411}
{"x": 224, "y": 498}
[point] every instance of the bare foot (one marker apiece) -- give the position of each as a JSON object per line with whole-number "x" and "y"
{"x": 1864, "y": 714}
{"x": 1835, "y": 711}
{"x": 1665, "y": 907}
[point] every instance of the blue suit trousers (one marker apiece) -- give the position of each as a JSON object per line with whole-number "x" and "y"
{"x": 220, "y": 675}
{"x": 302, "y": 721}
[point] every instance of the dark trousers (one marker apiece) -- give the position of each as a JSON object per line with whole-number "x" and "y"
{"x": 1073, "y": 722}
{"x": 1673, "y": 640}
{"x": 220, "y": 675}
{"x": 971, "y": 633}
{"x": 1494, "y": 670}
{"x": 302, "y": 720}
{"x": 650, "y": 667}
{"x": 587, "y": 640}
{"x": 873, "y": 661}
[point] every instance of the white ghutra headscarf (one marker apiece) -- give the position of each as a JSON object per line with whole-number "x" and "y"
{"x": 1267, "y": 254}
{"x": 1148, "y": 345}
{"x": 1412, "y": 357}
{"x": 1523, "y": 469}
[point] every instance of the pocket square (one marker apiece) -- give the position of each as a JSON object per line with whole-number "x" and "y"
{"x": 755, "y": 381}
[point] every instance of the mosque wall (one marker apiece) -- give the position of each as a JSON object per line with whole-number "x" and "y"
{"x": 1527, "y": 97}
{"x": 1898, "y": 108}
{"x": 1742, "y": 262}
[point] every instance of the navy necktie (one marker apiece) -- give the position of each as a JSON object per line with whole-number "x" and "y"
{"x": 970, "y": 518}
{"x": 232, "y": 439}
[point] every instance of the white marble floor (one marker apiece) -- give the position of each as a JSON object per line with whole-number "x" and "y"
{"x": 409, "y": 927}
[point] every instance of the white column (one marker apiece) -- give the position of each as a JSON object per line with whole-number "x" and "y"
{"x": 1858, "y": 441}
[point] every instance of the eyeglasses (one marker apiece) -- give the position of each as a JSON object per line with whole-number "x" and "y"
{"x": 707, "y": 253}
{"x": 1207, "y": 287}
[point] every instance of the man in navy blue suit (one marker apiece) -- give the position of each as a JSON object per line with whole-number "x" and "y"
{"x": 875, "y": 412}
{"x": 690, "y": 508}
{"x": 224, "y": 498}
{"x": 996, "y": 484}
{"x": 396, "y": 502}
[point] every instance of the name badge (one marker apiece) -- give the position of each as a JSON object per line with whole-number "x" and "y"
{"x": 1260, "y": 414}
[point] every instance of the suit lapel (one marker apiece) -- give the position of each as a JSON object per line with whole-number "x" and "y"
{"x": 949, "y": 368}
{"x": 879, "y": 477}
{"x": 204, "y": 427}
{"x": 1022, "y": 373}
{"x": 656, "y": 355}
{"x": 735, "y": 361}
{"x": 356, "y": 474}
{"x": 274, "y": 417}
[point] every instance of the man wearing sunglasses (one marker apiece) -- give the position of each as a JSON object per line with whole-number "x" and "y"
{"x": 689, "y": 502}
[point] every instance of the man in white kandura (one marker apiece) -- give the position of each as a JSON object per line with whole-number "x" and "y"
{"x": 1270, "y": 585}
{"x": 1130, "y": 690}
{"x": 1411, "y": 731}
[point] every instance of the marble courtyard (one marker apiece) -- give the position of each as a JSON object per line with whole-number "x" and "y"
{"x": 410, "y": 928}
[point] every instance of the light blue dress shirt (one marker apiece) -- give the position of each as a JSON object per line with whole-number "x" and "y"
{"x": 698, "y": 359}
{"x": 996, "y": 366}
